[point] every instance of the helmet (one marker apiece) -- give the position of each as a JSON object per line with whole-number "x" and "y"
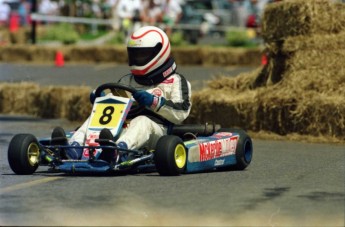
{"x": 148, "y": 48}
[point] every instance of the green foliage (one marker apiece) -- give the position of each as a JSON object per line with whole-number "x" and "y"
{"x": 119, "y": 38}
{"x": 88, "y": 36}
{"x": 238, "y": 37}
{"x": 176, "y": 39}
{"x": 61, "y": 32}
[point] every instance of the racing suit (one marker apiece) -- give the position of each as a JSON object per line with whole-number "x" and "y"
{"x": 145, "y": 130}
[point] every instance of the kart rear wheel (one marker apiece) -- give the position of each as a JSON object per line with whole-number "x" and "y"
{"x": 24, "y": 154}
{"x": 244, "y": 149}
{"x": 170, "y": 156}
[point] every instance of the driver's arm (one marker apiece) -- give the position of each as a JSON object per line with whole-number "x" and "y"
{"x": 177, "y": 103}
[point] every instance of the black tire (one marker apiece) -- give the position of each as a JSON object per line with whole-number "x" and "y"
{"x": 24, "y": 154}
{"x": 244, "y": 149}
{"x": 170, "y": 156}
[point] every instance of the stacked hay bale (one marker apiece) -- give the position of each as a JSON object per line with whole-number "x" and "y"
{"x": 302, "y": 89}
{"x": 70, "y": 102}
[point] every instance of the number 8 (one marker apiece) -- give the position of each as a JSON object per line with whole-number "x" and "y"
{"x": 106, "y": 117}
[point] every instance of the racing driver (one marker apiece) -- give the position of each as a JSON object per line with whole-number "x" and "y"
{"x": 165, "y": 93}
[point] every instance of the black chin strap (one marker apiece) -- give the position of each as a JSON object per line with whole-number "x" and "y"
{"x": 158, "y": 75}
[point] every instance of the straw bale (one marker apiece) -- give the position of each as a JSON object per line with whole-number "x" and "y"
{"x": 78, "y": 106}
{"x": 318, "y": 80}
{"x": 98, "y": 54}
{"x": 94, "y": 54}
{"x": 21, "y": 36}
{"x": 187, "y": 56}
{"x": 4, "y": 36}
{"x": 295, "y": 17}
{"x": 19, "y": 98}
{"x": 71, "y": 102}
{"x": 329, "y": 61}
{"x": 274, "y": 109}
{"x": 84, "y": 54}
{"x": 231, "y": 56}
{"x": 314, "y": 42}
{"x": 27, "y": 53}
{"x": 64, "y": 102}
{"x": 14, "y": 53}
{"x": 240, "y": 83}
{"x": 298, "y": 53}
{"x": 39, "y": 55}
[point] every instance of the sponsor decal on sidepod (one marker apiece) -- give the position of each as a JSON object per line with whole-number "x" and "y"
{"x": 217, "y": 148}
{"x": 208, "y": 150}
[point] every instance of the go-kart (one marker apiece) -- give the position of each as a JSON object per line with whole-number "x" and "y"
{"x": 186, "y": 149}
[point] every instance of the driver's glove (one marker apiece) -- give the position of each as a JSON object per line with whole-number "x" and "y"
{"x": 146, "y": 99}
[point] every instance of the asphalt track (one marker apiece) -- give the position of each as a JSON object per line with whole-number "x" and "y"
{"x": 287, "y": 184}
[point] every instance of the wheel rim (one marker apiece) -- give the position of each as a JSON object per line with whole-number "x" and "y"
{"x": 33, "y": 154}
{"x": 180, "y": 156}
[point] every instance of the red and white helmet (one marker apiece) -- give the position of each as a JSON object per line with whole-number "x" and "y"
{"x": 148, "y": 48}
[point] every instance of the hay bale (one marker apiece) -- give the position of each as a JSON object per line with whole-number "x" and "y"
{"x": 323, "y": 61}
{"x": 71, "y": 102}
{"x": 21, "y": 36}
{"x": 78, "y": 107}
{"x": 42, "y": 55}
{"x": 312, "y": 42}
{"x": 98, "y": 54}
{"x": 120, "y": 54}
{"x": 293, "y": 18}
{"x": 187, "y": 56}
{"x": 4, "y": 36}
{"x": 226, "y": 108}
{"x": 325, "y": 81}
{"x": 323, "y": 52}
{"x": 83, "y": 54}
{"x": 231, "y": 56}
{"x": 240, "y": 83}
{"x": 19, "y": 98}
{"x": 17, "y": 53}
{"x": 277, "y": 110}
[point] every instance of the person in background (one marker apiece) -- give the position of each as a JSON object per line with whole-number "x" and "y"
{"x": 172, "y": 13}
{"x": 151, "y": 13}
{"x": 5, "y": 11}
{"x": 128, "y": 12}
{"x": 23, "y": 11}
{"x": 239, "y": 12}
{"x": 48, "y": 7}
{"x": 114, "y": 16}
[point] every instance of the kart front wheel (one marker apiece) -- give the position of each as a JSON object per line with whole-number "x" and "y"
{"x": 23, "y": 154}
{"x": 170, "y": 156}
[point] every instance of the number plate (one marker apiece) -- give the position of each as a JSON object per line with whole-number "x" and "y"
{"x": 107, "y": 115}
{"x": 109, "y": 112}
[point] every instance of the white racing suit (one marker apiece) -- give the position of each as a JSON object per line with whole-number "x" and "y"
{"x": 145, "y": 130}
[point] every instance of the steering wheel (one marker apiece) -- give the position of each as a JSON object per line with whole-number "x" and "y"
{"x": 135, "y": 110}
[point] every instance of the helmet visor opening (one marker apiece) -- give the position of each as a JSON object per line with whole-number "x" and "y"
{"x": 140, "y": 56}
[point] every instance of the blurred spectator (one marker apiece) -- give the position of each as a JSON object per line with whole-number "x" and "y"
{"x": 253, "y": 19}
{"x": 24, "y": 11}
{"x": 172, "y": 13}
{"x": 96, "y": 9}
{"x": 5, "y": 11}
{"x": 239, "y": 12}
{"x": 48, "y": 7}
{"x": 129, "y": 14}
{"x": 151, "y": 13}
{"x": 114, "y": 15}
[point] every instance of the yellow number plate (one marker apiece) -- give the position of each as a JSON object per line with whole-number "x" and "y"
{"x": 107, "y": 115}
